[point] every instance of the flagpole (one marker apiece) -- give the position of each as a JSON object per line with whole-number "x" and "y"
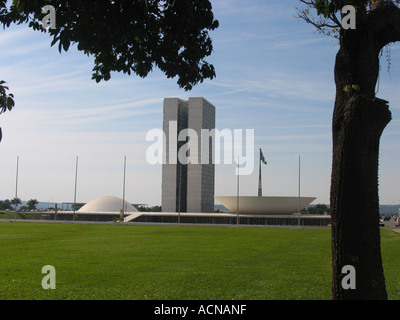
{"x": 123, "y": 193}
{"x": 259, "y": 177}
{"x": 298, "y": 201}
{"x": 76, "y": 179}
{"x": 16, "y": 191}
{"x": 237, "y": 200}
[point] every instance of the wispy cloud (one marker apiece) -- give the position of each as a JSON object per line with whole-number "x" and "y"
{"x": 280, "y": 85}
{"x": 107, "y": 113}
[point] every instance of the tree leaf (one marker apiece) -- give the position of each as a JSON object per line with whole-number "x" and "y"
{"x": 66, "y": 44}
{"x": 10, "y": 103}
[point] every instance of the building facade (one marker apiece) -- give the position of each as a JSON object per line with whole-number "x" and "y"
{"x": 188, "y": 186}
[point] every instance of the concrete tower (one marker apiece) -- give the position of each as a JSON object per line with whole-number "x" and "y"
{"x": 188, "y": 187}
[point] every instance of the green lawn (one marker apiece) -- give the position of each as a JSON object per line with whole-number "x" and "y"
{"x": 169, "y": 262}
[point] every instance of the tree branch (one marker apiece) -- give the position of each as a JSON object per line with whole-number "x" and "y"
{"x": 326, "y": 25}
{"x": 385, "y": 21}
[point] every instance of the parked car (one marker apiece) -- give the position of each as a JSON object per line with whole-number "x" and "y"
{"x": 397, "y": 223}
{"x": 381, "y": 223}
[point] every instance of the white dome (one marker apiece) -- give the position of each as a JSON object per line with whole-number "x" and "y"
{"x": 264, "y": 205}
{"x": 107, "y": 204}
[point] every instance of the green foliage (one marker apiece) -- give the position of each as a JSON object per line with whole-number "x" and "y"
{"x": 16, "y": 201}
{"x": 347, "y": 88}
{"x": 5, "y": 204}
{"x": 6, "y": 99}
{"x": 327, "y": 19}
{"x": 129, "y": 36}
{"x": 354, "y": 88}
{"x": 329, "y": 7}
{"x": 32, "y": 203}
{"x": 149, "y": 209}
{"x": 318, "y": 209}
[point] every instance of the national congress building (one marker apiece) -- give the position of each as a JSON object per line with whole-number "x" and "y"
{"x": 187, "y": 187}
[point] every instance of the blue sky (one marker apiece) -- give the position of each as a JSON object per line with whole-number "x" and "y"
{"x": 274, "y": 75}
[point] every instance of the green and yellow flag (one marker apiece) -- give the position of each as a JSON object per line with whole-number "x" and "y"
{"x": 262, "y": 157}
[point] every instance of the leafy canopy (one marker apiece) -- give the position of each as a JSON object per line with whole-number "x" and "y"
{"x": 129, "y": 36}
{"x": 328, "y": 12}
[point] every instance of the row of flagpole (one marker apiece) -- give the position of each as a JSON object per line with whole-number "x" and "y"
{"x": 122, "y": 213}
{"x": 262, "y": 159}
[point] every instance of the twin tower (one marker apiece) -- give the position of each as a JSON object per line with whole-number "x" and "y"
{"x": 187, "y": 187}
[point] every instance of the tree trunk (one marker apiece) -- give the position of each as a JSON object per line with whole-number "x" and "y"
{"x": 358, "y": 122}
{"x": 354, "y": 198}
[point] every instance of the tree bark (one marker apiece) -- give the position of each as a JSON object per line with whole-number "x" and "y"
{"x": 354, "y": 197}
{"x": 359, "y": 119}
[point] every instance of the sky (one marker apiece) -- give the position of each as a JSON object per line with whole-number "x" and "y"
{"x": 274, "y": 75}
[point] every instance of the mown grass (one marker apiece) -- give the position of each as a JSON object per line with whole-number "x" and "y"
{"x": 173, "y": 262}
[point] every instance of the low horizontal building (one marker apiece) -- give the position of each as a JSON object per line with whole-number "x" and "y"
{"x": 108, "y": 209}
{"x": 232, "y": 219}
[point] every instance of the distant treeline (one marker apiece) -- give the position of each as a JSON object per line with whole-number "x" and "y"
{"x": 149, "y": 209}
{"x": 317, "y": 209}
{"x": 321, "y": 209}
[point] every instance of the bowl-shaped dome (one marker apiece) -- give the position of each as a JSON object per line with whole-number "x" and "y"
{"x": 265, "y": 205}
{"x": 107, "y": 204}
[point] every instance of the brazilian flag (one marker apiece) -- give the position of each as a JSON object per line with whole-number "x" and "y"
{"x": 262, "y": 157}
